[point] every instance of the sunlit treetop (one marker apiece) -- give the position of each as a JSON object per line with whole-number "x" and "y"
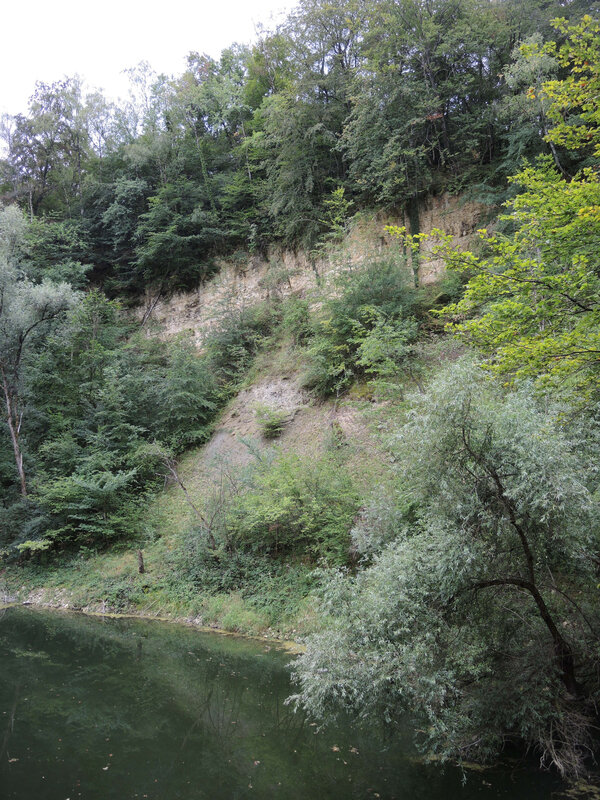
{"x": 574, "y": 101}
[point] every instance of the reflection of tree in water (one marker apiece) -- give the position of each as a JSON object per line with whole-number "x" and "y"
{"x": 125, "y": 709}
{"x": 112, "y": 688}
{"x": 10, "y": 725}
{"x": 236, "y": 713}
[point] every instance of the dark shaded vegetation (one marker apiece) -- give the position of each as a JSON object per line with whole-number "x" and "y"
{"x": 345, "y": 106}
{"x": 100, "y": 411}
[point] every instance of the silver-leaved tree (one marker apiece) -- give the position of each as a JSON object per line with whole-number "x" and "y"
{"x": 28, "y": 310}
{"x": 481, "y": 618}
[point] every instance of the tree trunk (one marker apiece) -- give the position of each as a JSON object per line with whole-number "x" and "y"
{"x": 562, "y": 649}
{"x": 14, "y": 426}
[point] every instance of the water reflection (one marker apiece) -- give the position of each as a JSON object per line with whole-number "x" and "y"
{"x": 93, "y": 708}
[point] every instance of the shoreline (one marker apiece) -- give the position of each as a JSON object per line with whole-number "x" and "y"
{"x": 290, "y": 646}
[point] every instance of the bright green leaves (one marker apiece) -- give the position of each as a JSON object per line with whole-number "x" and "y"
{"x": 297, "y": 506}
{"x": 537, "y": 292}
{"x": 532, "y": 300}
{"x": 574, "y": 107}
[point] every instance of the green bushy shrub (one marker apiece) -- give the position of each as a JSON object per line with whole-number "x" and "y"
{"x": 296, "y": 321}
{"x": 263, "y": 535}
{"x": 366, "y": 330}
{"x": 236, "y": 338}
{"x": 299, "y": 506}
{"x": 271, "y": 421}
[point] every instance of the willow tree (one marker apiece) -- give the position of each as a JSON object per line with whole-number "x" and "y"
{"x": 479, "y": 617}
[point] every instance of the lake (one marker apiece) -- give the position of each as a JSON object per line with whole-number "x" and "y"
{"x": 100, "y": 708}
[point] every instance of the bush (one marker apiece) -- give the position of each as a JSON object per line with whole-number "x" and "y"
{"x": 283, "y": 506}
{"x": 122, "y": 593}
{"x": 366, "y": 330}
{"x": 297, "y": 506}
{"x": 274, "y": 587}
{"x": 271, "y": 421}
{"x": 237, "y": 337}
{"x": 296, "y": 320}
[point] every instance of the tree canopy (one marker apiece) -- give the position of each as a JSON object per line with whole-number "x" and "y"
{"x": 532, "y": 295}
{"x": 387, "y": 101}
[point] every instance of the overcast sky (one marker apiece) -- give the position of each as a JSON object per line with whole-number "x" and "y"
{"x": 46, "y": 40}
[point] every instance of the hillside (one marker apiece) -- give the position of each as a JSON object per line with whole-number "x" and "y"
{"x": 252, "y": 280}
{"x": 314, "y": 427}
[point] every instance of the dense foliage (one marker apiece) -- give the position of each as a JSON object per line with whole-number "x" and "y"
{"x": 365, "y": 329}
{"x": 93, "y": 410}
{"x": 476, "y": 607}
{"x": 382, "y": 101}
{"x": 481, "y": 614}
{"x": 281, "y": 506}
{"x": 532, "y": 297}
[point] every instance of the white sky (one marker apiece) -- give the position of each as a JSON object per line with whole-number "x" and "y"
{"x": 48, "y": 39}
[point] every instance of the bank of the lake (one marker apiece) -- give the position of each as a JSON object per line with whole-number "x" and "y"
{"x": 45, "y": 606}
{"x": 110, "y": 584}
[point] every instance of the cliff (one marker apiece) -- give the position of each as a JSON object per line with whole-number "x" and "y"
{"x": 247, "y": 281}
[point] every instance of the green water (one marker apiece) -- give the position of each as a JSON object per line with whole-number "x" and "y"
{"x": 100, "y": 709}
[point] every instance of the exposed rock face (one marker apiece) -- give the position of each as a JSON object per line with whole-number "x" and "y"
{"x": 287, "y": 273}
{"x": 455, "y": 217}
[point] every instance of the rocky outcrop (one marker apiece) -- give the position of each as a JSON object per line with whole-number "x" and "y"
{"x": 246, "y": 282}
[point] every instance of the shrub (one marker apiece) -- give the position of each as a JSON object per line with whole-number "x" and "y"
{"x": 296, "y": 320}
{"x": 482, "y": 615}
{"x": 300, "y": 506}
{"x": 235, "y": 340}
{"x": 285, "y": 505}
{"x": 271, "y": 421}
{"x": 366, "y": 329}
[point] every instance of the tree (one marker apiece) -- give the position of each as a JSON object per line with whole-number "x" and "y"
{"x": 300, "y": 162}
{"x": 303, "y": 121}
{"x": 532, "y": 299}
{"x": 432, "y": 104}
{"x": 482, "y": 616}
{"x": 574, "y": 106}
{"x": 49, "y": 147}
{"x": 531, "y": 303}
{"x": 27, "y": 311}
{"x": 176, "y": 238}
{"x": 99, "y": 400}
